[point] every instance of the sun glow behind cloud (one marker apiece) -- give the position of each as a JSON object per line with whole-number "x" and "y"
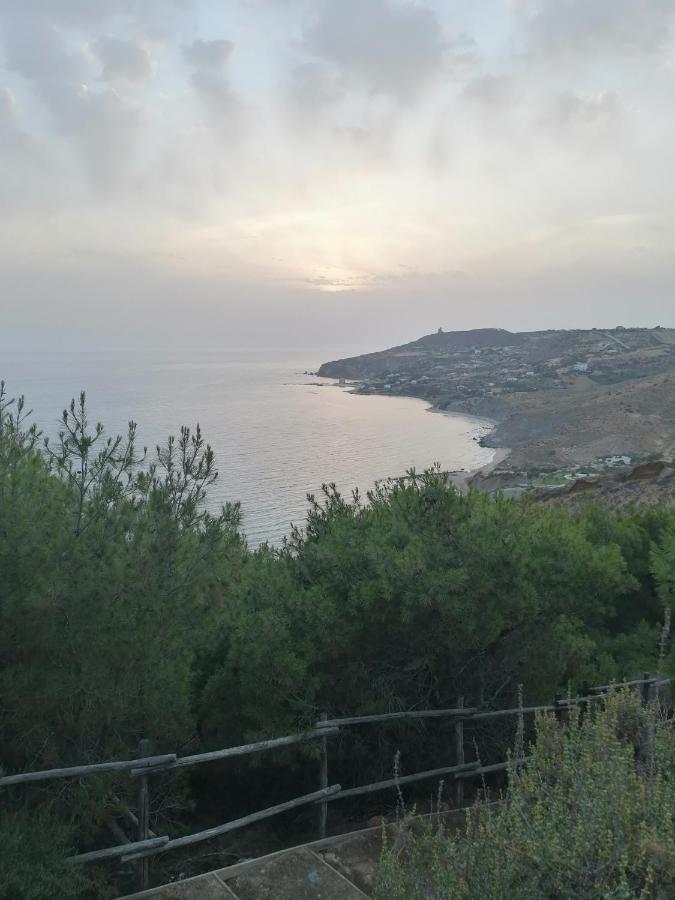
{"x": 445, "y": 151}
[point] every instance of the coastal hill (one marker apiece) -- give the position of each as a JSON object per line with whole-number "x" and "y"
{"x": 440, "y": 343}
{"x": 560, "y": 399}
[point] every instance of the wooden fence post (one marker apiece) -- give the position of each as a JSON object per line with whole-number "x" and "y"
{"x": 459, "y": 755}
{"x": 558, "y": 703}
{"x": 323, "y": 806}
{"x": 144, "y": 749}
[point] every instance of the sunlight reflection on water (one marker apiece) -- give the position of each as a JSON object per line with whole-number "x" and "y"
{"x": 277, "y": 433}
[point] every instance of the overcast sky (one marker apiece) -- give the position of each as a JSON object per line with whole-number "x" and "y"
{"x": 333, "y": 172}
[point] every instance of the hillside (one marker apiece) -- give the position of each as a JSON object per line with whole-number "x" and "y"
{"x": 560, "y": 399}
{"x": 626, "y": 487}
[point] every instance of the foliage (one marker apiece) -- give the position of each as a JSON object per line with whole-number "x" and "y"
{"x": 129, "y": 610}
{"x": 589, "y": 817}
{"x": 33, "y": 847}
{"x": 663, "y": 569}
{"x": 497, "y": 583}
{"x": 108, "y": 577}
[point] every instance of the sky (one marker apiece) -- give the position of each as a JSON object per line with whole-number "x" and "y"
{"x": 332, "y": 172}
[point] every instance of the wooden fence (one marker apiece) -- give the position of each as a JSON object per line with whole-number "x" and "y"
{"x": 145, "y": 765}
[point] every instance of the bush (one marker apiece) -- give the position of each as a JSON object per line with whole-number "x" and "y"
{"x": 33, "y": 849}
{"x": 129, "y": 610}
{"x": 591, "y": 815}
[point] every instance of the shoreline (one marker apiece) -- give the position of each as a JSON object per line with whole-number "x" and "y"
{"x": 461, "y": 478}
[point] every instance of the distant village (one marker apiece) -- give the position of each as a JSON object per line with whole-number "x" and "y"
{"x": 546, "y": 360}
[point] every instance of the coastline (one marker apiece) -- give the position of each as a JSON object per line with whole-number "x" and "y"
{"x": 556, "y": 418}
{"x": 484, "y": 426}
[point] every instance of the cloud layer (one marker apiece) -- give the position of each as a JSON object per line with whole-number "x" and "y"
{"x": 385, "y": 148}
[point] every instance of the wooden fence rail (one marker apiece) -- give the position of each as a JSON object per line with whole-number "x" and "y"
{"x": 237, "y": 823}
{"x": 95, "y": 769}
{"x": 471, "y": 768}
{"x": 244, "y": 750}
{"x": 146, "y": 765}
{"x": 396, "y": 716}
{"x": 115, "y": 852}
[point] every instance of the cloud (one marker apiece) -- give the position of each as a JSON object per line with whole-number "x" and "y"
{"x": 27, "y": 173}
{"x": 121, "y": 59}
{"x": 491, "y": 91}
{"x": 315, "y": 89}
{"x": 216, "y": 95}
{"x": 208, "y": 56}
{"x": 209, "y": 61}
{"x": 580, "y": 26}
{"x": 597, "y": 129}
{"x": 107, "y": 131}
{"x": 38, "y": 51}
{"x": 102, "y": 126}
{"x": 7, "y": 104}
{"x": 368, "y": 134}
{"x": 588, "y": 110}
{"x": 387, "y": 48}
{"x": 85, "y": 13}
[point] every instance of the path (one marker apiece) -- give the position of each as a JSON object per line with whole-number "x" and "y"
{"x": 336, "y": 868}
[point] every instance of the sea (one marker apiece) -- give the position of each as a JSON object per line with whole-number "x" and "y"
{"x": 278, "y": 433}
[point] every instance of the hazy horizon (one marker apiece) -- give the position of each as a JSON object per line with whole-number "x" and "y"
{"x": 347, "y": 176}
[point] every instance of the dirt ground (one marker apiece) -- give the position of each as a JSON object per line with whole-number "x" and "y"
{"x": 587, "y": 421}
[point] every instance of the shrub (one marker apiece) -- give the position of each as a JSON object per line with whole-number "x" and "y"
{"x": 33, "y": 849}
{"x": 591, "y": 815}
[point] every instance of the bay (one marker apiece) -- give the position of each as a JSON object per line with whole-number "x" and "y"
{"x": 277, "y": 432}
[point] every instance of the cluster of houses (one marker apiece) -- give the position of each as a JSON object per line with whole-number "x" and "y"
{"x": 550, "y": 360}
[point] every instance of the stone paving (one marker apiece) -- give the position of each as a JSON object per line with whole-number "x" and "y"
{"x": 337, "y": 868}
{"x": 340, "y": 868}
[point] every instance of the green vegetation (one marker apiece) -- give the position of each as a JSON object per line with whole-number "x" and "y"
{"x": 589, "y": 817}
{"x": 34, "y": 845}
{"x": 127, "y": 610}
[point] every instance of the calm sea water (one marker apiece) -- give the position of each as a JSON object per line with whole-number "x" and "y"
{"x": 276, "y": 432}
